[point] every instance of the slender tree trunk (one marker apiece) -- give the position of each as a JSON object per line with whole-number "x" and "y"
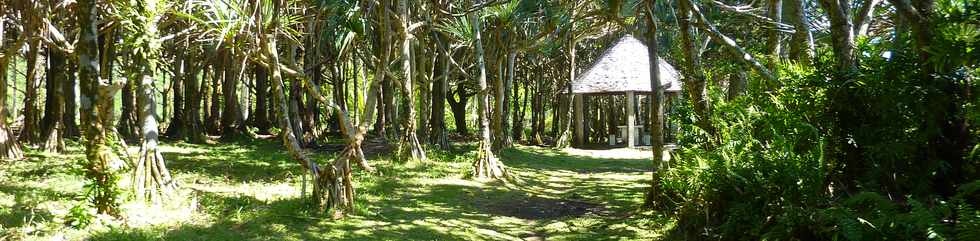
{"x": 53, "y": 128}
{"x": 656, "y": 105}
{"x": 107, "y": 57}
{"x": 70, "y": 91}
{"x": 314, "y": 71}
{"x": 213, "y": 121}
{"x": 564, "y": 137}
{"x": 231, "y": 120}
{"x": 841, "y": 33}
{"x": 295, "y": 111}
{"x": 696, "y": 85}
{"x": 193, "y": 128}
{"x": 486, "y": 164}
{"x": 409, "y": 144}
{"x": 10, "y": 149}
{"x": 519, "y": 112}
{"x": 177, "y": 125}
{"x": 438, "y": 116}
{"x": 863, "y": 18}
{"x": 458, "y": 108}
{"x": 390, "y": 118}
{"x": 507, "y": 139}
{"x": 801, "y": 45}
{"x": 537, "y": 114}
{"x": 128, "y": 118}
{"x": 736, "y": 85}
{"x": 773, "y": 42}
{"x": 151, "y": 176}
{"x": 29, "y": 132}
{"x": 96, "y": 93}
{"x": 261, "y": 117}
{"x": 845, "y": 157}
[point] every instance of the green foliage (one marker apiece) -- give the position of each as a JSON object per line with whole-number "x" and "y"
{"x": 830, "y": 157}
{"x": 80, "y": 216}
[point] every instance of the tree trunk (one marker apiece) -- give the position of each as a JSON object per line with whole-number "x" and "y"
{"x": 537, "y": 114}
{"x": 213, "y": 122}
{"x": 107, "y": 55}
{"x": 656, "y": 106}
{"x": 409, "y": 144}
{"x": 232, "y": 118}
{"x": 736, "y": 85}
{"x": 314, "y": 71}
{"x": 177, "y": 126}
{"x": 193, "y": 128}
{"x": 95, "y": 94}
{"x": 53, "y": 128}
{"x": 841, "y": 33}
{"x": 295, "y": 111}
{"x": 128, "y": 118}
{"x": 70, "y": 91}
{"x": 519, "y": 112}
{"x": 845, "y": 157}
{"x": 862, "y": 20}
{"x": 9, "y": 147}
{"x": 801, "y": 45}
{"x": 486, "y": 164}
{"x": 438, "y": 116}
{"x": 507, "y": 139}
{"x": 261, "y": 117}
{"x": 390, "y": 118}
{"x": 29, "y": 132}
{"x": 564, "y": 137}
{"x": 151, "y": 176}
{"x": 380, "y": 127}
{"x": 696, "y": 85}
{"x": 458, "y": 108}
{"x": 773, "y": 42}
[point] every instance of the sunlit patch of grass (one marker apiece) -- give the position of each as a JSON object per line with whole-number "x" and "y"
{"x": 251, "y": 190}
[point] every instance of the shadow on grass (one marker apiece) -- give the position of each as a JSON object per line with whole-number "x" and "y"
{"x": 239, "y": 161}
{"x": 24, "y": 209}
{"x": 619, "y": 184}
{"x": 434, "y": 214}
{"x": 412, "y": 201}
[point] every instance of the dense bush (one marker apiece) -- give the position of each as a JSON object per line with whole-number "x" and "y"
{"x": 774, "y": 172}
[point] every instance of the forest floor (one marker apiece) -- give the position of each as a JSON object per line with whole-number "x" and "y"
{"x": 250, "y": 190}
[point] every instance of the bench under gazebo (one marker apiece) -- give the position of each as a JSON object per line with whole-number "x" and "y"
{"x": 623, "y": 69}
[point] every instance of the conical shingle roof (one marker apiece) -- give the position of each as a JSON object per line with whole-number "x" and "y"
{"x": 625, "y": 67}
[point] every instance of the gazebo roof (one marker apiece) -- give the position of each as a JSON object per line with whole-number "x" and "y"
{"x": 625, "y": 67}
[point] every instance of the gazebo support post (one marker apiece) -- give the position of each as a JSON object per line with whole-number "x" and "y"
{"x": 630, "y": 119}
{"x": 579, "y": 121}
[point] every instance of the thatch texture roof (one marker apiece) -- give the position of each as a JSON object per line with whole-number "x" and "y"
{"x": 625, "y": 67}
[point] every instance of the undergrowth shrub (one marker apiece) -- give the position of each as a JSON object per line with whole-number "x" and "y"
{"x": 768, "y": 174}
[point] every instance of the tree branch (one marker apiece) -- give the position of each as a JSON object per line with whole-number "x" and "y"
{"x": 747, "y": 58}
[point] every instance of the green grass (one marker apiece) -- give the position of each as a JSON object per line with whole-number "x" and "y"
{"x": 250, "y": 190}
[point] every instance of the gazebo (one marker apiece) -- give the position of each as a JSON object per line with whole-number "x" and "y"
{"x": 623, "y": 69}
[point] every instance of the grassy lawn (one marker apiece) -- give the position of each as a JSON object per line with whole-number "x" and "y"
{"x": 252, "y": 191}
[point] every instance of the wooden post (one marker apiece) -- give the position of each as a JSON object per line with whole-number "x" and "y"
{"x": 579, "y": 120}
{"x": 630, "y": 120}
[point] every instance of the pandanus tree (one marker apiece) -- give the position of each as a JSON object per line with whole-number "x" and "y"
{"x": 486, "y": 165}
{"x": 97, "y": 92}
{"x": 332, "y": 183}
{"x": 9, "y": 147}
{"x": 141, "y": 20}
{"x": 409, "y": 144}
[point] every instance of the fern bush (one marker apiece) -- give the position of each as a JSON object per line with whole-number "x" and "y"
{"x": 767, "y": 175}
